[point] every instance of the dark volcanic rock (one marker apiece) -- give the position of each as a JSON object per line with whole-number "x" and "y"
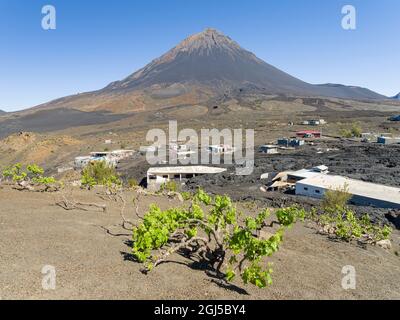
{"x": 368, "y": 162}
{"x": 394, "y": 218}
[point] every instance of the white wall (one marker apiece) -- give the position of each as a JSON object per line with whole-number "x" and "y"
{"x": 312, "y": 191}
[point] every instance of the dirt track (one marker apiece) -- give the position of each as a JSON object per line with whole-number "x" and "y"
{"x": 92, "y": 264}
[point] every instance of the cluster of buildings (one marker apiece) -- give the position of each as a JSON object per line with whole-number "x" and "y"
{"x": 283, "y": 143}
{"x": 112, "y": 158}
{"x": 313, "y": 122}
{"x": 181, "y": 148}
{"x": 385, "y": 139}
{"x": 316, "y": 181}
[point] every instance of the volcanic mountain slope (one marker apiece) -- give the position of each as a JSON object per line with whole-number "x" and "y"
{"x": 201, "y": 67}
{"x": 211, "y": 58}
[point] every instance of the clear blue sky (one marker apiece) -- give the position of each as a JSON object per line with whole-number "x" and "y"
{"x": 97, "y": 42}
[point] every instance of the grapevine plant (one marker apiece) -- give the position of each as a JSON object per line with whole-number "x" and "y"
{"x": 32, "y": 174}
{"x": 347, "y": 227}
{"x": 338, "y": 219}
{"x": 212, "y": 228}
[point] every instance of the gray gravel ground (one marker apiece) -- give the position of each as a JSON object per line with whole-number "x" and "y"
{"x": 91, "y": 264}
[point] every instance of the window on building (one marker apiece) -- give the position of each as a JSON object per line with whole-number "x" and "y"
{"x": 318, "y": 191}
{"x": 305, "y": 188}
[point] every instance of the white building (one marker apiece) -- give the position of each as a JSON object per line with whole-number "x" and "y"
{"x": 268, "y": 149}
{"x": 160, "y": 175}
{"x": 112, "y": 158}
{"x": 122, "y": 154}
{"x": 81, "y": 162}
{"x": 363, "y": 193}
{"x": 220, "y": 149}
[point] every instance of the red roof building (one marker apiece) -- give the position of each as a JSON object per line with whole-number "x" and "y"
{"x": 309, "y": 134}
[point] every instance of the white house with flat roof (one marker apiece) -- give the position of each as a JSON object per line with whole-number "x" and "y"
{"x": 220, "y": 149}
{"x": 112, "y": 158}
{"x": 160, "y": 175}
{"x": 268, "y": 149}
{"x": 363, "y": 193}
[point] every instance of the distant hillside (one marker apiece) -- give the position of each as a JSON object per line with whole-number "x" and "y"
{"x": 396, "y": 97}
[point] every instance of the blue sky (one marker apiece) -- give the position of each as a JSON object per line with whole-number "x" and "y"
{"x": 97, "y": 42}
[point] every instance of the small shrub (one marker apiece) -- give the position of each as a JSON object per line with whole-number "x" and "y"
{"x": 186, "y": 195}
{"x": 99, "y": 173}
{"x": 356, "y": 130}
{"x": 335, "y": 200}
{"x": 32, "y": 174}
{"x": 345, "y": 133}
{"x": 288, "y": 216}
{"x": 170, "y": 186}
{"x": 132, "y": 183}
{"x": 15, "y": 173}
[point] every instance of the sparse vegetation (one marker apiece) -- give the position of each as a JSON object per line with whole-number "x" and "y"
{"x": 337, "y": 219}
{"x": 335, "y": 200}
{"x": 186, "y": 195}
{"x": 345, "y": 133}
{"x": 217, "y": 232}
{"x": 354, "y": 132}
{"x": 132, "y": 183}
{"x": 170, "y": 186}
{"x": 99, "y": 173}
{"x": 32, "y": 175}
